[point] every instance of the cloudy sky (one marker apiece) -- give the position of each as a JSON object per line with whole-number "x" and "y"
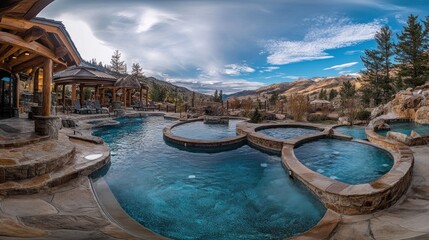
{"x": 231, "y": 45}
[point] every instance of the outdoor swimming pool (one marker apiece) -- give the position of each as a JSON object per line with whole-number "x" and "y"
{"x": 235, "y": 194}
{"x": 288, "y": 132}
{"x": 357, "y": 132}
{"x": 345, "y": 161}
{"x": 406, "y": 128}
{"x": 201, "y": 131}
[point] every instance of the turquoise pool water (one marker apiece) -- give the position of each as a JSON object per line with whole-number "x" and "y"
{"x": 287, "y": 132}
{"x": 357, "y": 132}
{"x": 235, "y": 194}
{"x": 202, "y": 131}
{"x": 345, "y": 161}
{"x": 406, "y": 128}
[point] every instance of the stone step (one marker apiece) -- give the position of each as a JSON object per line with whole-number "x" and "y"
{"x": 21, "y": 140}
{"x": 34, "y": 159}
{"x": 87, "y": 158}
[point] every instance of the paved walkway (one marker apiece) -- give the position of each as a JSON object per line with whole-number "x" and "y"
{"x": 408, "y": 219}
{"x": 66, "y": 212}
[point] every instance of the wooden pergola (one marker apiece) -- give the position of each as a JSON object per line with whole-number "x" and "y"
{"x": 30, "y": 45}
{"x": 129, "y": 84}
{"x": 82, "y": 76}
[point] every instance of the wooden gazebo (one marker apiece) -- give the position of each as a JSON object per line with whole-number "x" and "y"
{"x": 83, "y": 76}
{"x": 129, "y": 84}
{"x": 35, "y": 46}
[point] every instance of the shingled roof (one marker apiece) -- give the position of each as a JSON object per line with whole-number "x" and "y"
{"x": 84, "y": 73}
{"x": 130, "y": 81}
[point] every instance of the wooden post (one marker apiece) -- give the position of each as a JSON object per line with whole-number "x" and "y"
{"x": 124, "y": 93}
{"x": 114, "y": 94}
{"x": 35, "y": 85}
{"x": 81, "y": 95}
{"x": 141, "y": 96}
{"x": 102, "y": 96}
{"x": 47, "y": 80}
{"x": 73, "y": 96}
{"x": 147, "y": 95}
{"x": 129, "y": 97}
{"x": 64, "y": 96}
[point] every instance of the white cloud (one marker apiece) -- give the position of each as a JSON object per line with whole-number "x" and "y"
{"x": 237, "y": 69}
{"x": 341, "y": 66}
{"x": 227, "y": 86}
{"x": 328, "y": 33}
{"x": 268, "y": 69}
{"x": 353, "y": 52}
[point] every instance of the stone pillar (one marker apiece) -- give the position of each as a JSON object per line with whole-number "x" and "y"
{"x": 47, "y": 126}
{"x": 102, "y": 96}
{"x": 73, "y": 96}
{"x": 141, "y": 96}
{"x": 129, "y": 97}
{"x": 47, "y": 80}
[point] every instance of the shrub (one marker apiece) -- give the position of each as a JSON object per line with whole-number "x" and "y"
{"x": 256, "y": 116}
{"x": 363, "y": 115}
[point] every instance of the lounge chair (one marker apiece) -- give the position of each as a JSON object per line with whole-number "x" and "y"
{"x": 100, "y": 109}
{"x": 137, "y": 105}
{"x": 78, "y": 109}
{"x": 89, "y": 107}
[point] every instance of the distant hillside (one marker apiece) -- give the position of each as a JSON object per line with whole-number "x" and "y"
{"x": 309, "y": 87}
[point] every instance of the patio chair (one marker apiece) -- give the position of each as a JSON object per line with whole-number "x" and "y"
{"x": 78, "y": 108}
{"x": 100, "y": 109}
{"x": 89, "y": 107}
{"x": 137, "y": 105}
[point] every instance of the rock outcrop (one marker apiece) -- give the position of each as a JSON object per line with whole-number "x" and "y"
{"x": 408, "y": 104}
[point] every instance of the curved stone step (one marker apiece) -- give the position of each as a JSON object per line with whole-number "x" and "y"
{"x": 34, "y": 159}
{"x": 78, "y": 166}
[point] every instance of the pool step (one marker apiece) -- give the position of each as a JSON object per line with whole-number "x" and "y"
{"x": 34, "y": 160}
{"x": 77, "y": 166}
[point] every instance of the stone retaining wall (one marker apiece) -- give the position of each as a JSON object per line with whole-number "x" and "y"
{"x": 354, "y": 199}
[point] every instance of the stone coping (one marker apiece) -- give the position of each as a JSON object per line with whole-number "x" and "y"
{"x": 270, "y": 144}
{"x": 196, "y": 143}
{"x": 353, "y": 199}
{"x": 115, "y": 213}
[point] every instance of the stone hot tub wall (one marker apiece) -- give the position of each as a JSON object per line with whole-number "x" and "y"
{"x": 354, "y": 199}
{"x": 376, "y": 138}
{"x": 187, "y": 142}
{"x": 270, "y": 144}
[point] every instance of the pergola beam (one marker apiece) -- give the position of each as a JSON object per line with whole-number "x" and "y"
{"x": 34, "y": 33}
{"x": 35, "y": 47}
{"x": 21, "y": 24}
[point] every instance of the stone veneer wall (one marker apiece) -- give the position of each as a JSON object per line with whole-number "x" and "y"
{"x": 355, "y": 199}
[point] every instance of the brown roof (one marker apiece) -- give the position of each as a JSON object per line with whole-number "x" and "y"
{"x": 84, "y": 74}
{"x": 129, "y": 81}
{"x": 26, "y": 9}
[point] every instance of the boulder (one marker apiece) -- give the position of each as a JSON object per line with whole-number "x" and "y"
{"x": 400, "y": 137}
{"x": 422, "y": 115}
{"x": 343, "y": 121}
{"x": 378, "y": 111}
{"x": 414, "y": 134}
{"x": 380, "y": 124}
{"x": 412, "y": 101}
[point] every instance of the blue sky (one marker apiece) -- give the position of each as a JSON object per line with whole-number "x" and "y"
{"x": 232, "y": 45}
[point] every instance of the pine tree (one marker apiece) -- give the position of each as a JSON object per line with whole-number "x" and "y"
{"x": 93, "y": 61}
{"x": 220, "y": 98}
{"x": 215, "y": 96}
{"x": 332, "y": 94}
{"x": 411, "y": 52}
{"x": 323, "y": 94}
{"x": 385, "y": 47}
{"x": 373, "y": 75}
{"x": 136, "y": 69}
{"x": 116, "y": 65}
